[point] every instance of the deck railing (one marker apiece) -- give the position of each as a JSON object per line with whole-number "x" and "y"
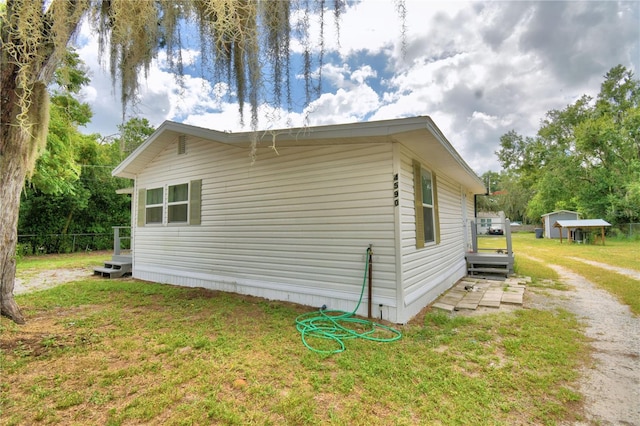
{"x": 506, "y": 236}
{"x": 119, "y": 237}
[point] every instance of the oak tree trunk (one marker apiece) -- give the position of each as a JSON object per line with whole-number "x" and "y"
{"x": 20, "y": 137}
{"x": 14, "y": 145}
{"x": 12, "y": 176}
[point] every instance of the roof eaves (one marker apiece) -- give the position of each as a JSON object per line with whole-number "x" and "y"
{"x": 435, "y": 131}
{"x": 559, "y": 211}
{"x": 381, "y": 128}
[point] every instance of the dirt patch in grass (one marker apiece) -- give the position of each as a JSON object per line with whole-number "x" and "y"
{"x": 34, "y": 280}
{"x": 43, "y": 333}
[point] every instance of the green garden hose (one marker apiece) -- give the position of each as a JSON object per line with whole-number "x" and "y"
{"x": 339, "y": 326}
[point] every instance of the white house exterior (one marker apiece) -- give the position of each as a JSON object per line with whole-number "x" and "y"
{"x": 488, "y": 220}
{"x": 295, "y": 224}
{"x": 549, "y": 219}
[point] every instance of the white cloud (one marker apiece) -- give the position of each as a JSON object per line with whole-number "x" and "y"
{"x": 344, "y": 106}
{"x": 360, "y": 75}
{"x": 479, "y": 69}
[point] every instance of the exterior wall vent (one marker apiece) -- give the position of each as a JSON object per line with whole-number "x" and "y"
{"x": 182, "y": 144}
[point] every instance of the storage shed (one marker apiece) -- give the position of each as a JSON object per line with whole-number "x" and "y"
{"x": 295, "y": 224}
{"x": 549, "y": 219}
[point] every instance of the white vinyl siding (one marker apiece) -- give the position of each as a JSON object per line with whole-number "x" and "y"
{"x": 428, "y": 271}
{"x": 470, "y": 210}
{"x": 297, "y": 222}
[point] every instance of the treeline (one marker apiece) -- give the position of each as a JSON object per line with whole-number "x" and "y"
{"x": 71, "y": 190}
{"x": 584, "y": 158}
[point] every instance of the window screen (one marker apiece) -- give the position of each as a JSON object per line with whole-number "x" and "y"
{"x": 153, "y": 213}
{"x": 178, "y": 203}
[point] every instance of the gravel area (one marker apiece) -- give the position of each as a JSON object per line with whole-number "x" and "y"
{"x": 611, "y": 386}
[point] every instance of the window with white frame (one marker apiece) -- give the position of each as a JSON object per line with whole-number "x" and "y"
{"x": 428, "y": 216}
{"x": 182, "y": 203}
{"x": 426, "y": 206}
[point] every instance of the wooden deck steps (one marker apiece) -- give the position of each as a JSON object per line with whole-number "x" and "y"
{"x": 483, "y": 261}
{"x": 490, "y": 264}
{"x": 114, "y": 269}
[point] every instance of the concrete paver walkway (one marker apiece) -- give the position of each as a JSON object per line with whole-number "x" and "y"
{"x": 472, "y": 293}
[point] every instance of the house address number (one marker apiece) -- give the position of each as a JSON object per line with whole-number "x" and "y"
{"x": 396, "y": 194}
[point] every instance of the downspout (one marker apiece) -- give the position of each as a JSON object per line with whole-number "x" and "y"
{"x": 475, "y": 205}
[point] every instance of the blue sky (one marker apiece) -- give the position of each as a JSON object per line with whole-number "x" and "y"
{"x": 479, "y": 69}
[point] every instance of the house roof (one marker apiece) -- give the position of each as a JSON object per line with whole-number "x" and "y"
{"x": 582, "y": 223}
{"x": 560, "y": 211}
{"x": 419, "y": 134}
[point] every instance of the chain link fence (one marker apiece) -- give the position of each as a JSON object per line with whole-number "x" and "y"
{"x": 628, "y": 230}
{"x": 34, "y": 244}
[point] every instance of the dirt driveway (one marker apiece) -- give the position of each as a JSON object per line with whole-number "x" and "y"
{"x": 611, "y": 386}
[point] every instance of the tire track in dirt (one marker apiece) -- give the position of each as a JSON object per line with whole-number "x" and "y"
{"x": 631, "y": 273}
{"x": 611, "y": 388}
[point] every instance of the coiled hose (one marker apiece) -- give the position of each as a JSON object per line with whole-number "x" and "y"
{"x": 339, "y": 326}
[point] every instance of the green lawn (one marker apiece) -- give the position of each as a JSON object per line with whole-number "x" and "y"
{"x": 123, "y": 352}
{"x": 129, "y": 352}
{"x": 620, "y": 253}
{"x": 62, "y": 261}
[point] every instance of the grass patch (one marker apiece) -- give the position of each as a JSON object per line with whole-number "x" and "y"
{"x": 624, "y": 254}
{"x": 541, "y": 275}
{"x": 621, "y": 253}
{"x": 124, "y": 351}
{"x": 61, "y": 261}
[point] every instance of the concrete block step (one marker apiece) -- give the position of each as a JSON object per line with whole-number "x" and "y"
{"x": 110, "y": 273}
{"x": 117, "y": 263}
{"x": 121, "y": 258}
{"x": 113, "y": 269}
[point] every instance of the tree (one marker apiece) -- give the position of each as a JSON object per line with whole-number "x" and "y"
{"x": 585, "y": 157}
{"x": 57, "y": 169}
{"x": 513, "y": 198}
{"x": 72, "y": 171}
{"x": 240, "y": 36}
{"x": 91, "y": 206}
{"x": 132, "y": 134}
{"x": 33, "y": 42}
{"x": 488, "y": 202}
{"x": 504, "y": 194}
